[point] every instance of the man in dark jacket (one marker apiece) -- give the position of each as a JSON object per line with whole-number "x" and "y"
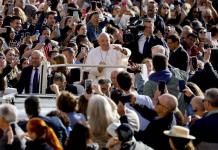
{"x": 162, "y": 118}
{"x": 32, "y": 108}
{"x": 141, "y": 49}
{"x": 178, "y": 56}
{"x": 205, "y": 129}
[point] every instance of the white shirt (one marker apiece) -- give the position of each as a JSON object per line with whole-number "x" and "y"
{"x": 32, "y": 76}
{"x": 141, "y": 43}
{"x": 142, "y": 100}
{"x": 110, "y": 57}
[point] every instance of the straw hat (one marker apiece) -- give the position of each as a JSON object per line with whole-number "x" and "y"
{"x": 180, "y": 132}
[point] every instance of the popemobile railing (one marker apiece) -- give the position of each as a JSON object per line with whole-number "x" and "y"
{"x": 45, "y": 66}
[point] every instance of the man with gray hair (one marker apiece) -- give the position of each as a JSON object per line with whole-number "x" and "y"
{"x": 30, "y": 75}
{"x": 106, "y": 54}
{"x": 205, "y": 129}
{"x": 11, "y": 133}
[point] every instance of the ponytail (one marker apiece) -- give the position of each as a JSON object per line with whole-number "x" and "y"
{"x": 39, "y": 127}
{"x": 52, "y": 139}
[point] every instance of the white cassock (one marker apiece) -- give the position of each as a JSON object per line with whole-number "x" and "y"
{"x": 110, "y": 57}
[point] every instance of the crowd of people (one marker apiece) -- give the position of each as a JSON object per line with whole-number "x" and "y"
{"x": 165, "y": 97}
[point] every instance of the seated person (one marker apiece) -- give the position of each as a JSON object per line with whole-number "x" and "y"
{"x": 60, "y": 84}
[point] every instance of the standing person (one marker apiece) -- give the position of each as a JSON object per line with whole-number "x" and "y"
{"x": 178, "y": 56}
{"x": 9, "y": 137}
{"x": 142, "y": 48}
{"x": 30, "y": 75}
{"x": 4, "y": 71}
{"x": 42, "y": 137}
{"x": 162, "y": 118}
{"x": 205, "y": 129}
{"x": 106, "y": 54}
{"x": 179, "y": 138}
{"x": 81, "y": 139}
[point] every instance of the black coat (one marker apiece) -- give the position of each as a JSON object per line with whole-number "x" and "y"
{"x": 37, "y": 145}
{"x": 206, "y": 78}
{"x": 136, "y": 56}
{"x": 205, "y": 129}
{"x": 153, "y": 135}
{"x": 25, "y": 79}
{"x": 4, "y": 73}
{"x": 179, "y": 59}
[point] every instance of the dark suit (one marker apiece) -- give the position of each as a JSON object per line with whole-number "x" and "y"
{"x": 137, "y": 57}
{"x": 154, "y": 132}
{"x": 179, "y": 59}
{"x": 206, "y": 78}
{"x": 74, "y": 75}
{"x": 25, "y": 80}
{"x": 205, "y": 129}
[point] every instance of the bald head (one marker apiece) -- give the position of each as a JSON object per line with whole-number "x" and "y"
{"x": 197, "y": 104}
{"x": 169, "y": 100}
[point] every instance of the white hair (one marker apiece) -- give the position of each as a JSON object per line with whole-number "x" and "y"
{"x": 100, "y": 114}
{"x": 158, "y": 49}
{"x": 103, "y": 35}
{"x": 8, "y": 112}
{"x": 39, "y": 53}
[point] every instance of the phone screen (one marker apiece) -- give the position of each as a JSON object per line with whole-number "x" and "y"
{"x": 181, "y": 85}
{"x": 76, "y": 14}
{"x": 10, "y": 8}
{"x": 194, "y": 62}
{"x": 88, "y": 83}
{"x": 161, "y": 86}
{"x": 93, "y": 5}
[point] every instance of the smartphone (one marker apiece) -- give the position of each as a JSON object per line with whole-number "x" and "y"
{"x": 88, "y": 83}
{"x": 181, "y": 85}
{"x": 161, "y": 86}
{"x": 42, "y": 39}
{"x": 10, "y": 8}
{"x": 194, "y": 62}
{"x": 76, "y": 14}
{"x": 214, "y": 56}
{"x": 208, "y": 34}
{"x": 125, "y": 99}
{"x": 3, "y": 30}
{"x": 93, "y": 3}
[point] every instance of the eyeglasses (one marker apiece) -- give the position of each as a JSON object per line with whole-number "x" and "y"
{"x": 158, "y": 103}
{"x": 165, "y": 7}
{"x": 202, "y": 32}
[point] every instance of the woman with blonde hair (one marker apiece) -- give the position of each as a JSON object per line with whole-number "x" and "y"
{"x": 19, "y": 12}
{"x": 42, "y": 137}
{"x": 100, "y": 114}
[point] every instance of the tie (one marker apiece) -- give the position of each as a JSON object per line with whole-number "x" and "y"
{"x": 35, "y": 82}
{"x": 145, "y": 48}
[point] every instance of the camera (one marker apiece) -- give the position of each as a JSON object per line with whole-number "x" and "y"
{"x": 125, "y": 99}
{"x": 133, "y": 29}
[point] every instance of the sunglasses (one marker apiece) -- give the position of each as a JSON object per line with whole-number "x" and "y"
{"x": 158, "y": 103}
{"x": 166, "y": 8}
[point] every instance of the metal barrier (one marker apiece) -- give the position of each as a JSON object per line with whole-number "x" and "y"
{"x": 45, "y": 66}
